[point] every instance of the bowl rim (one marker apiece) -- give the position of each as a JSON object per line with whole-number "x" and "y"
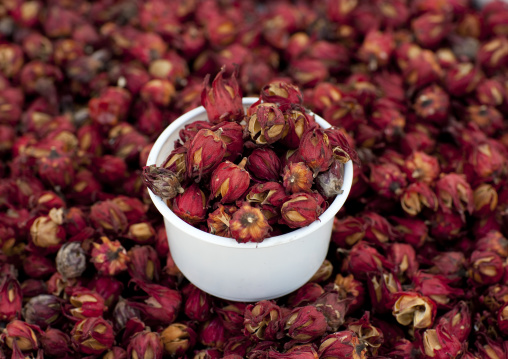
{"x": 168, "y": 215}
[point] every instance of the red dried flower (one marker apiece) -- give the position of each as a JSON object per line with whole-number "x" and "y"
{"x": 248, "y": 224}
{"x": 177, "y": 339}
{"x": 86, "y": 303}
{"x": 92, "y": 335}
{"x": 315, "y": 150}
{"x": 413, "y": 308}
{"x": 230, "y": 181}
{"x": 190, "y": 205}
{"x": 21, "y": 335}
{"x": 145, "y": 344}
{"x": 263, "y": 321}
{"x": 10, "y": 298}
{"x": 304, "y": 324}
{"x": 417, "y": 195}
{"x": 343, "y": 344}
{"x": 143, "y": 263}
{"x": 205, "y": 151}
{"x": 213, "y": 333}
{"x": 454, "y": 192}
{"x": 301, "y": 209}
{"x": 485, "y": 267}
{"x": 264, "y": 165}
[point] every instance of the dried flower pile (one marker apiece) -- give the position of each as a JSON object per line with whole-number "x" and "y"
{"x": 418, "y": 264}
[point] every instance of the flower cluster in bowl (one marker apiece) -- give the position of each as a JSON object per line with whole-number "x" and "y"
{"x": 252, "y": 174}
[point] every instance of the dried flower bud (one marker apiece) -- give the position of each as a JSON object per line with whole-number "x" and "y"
{"x": 143, "y": 263}
{"x": 387, "y": 179}
{"x": 264, "y": 165}
{"x": 367, "y": 332}
{"x": 297, "y": 177}
{"x": 108, "y": 216}
{"x": 420, "y": 166}
{"x": 502, "y": 319}
{"x": 343, "y": 344}
{"x": 232, "y": 136}
{"x": 297, "y": 124}
{"x": 109, "y": 258}
{"x": 417, "y": 195}
{"x": 436, "y": 288}
{"x": 403, "y": 257}
{"x": 412, "y": 231}
{"x": 38, "y": 266}
{"x": 47, "y": 232}
{"x": 206, "y": 150}
{"x": 266, "y": 124}
{"x": 315, "y": 150}
{"x": 347, "y": 231}
{"x": 92, "y": 336}
{"x": 23, "y": 335}
{"x": 230, "y": 181}
{"x": 493, "y": 54}
{"x": 263, "y": 321}
{"x": 110, "y": 107}
{"x": 441, "y": 343}
{"x": 71, "y": 260}
{"x": 457, "y": 321}
{"x": 190, "y": 205}
{"x": 108, "y": 288}
{"x": 161, "y": 305}
{"x": 248, "y": 224}
{"x": 455, "y": 192}
{"x": 177, "y": 339}
{"x": 42, "y": 310}
{"x": 376, "y": 49}
{"x": 383, "y": 289}
{"x": 281, "y": 93}
{"x": 218, "y": 221}
{"x": 377, "y": 228}
{"x": 301, "y": 209}
{"x": 145, "y": 344}
{"x": 86, "y": 303}
{"x": 432, "y": 104}
{"x": 56, "y": 343}
{"x": 10, "y": 298}
{"x": 304, "y": 324}
{"x": 430, "y": 29}
{"x": 462, "y": 78}
{"x": 415, "y": 309}
{"x": 363, "y": 259}
{"x": 213, "y": 333}
{"x": 486, "y": 267}
{"x": 197, "y": 304}
{"x": 488, "y": 118}
{"x": 231, "y": 316}
{"x": 223, "y": 101}
{"x": 308, "y": 72}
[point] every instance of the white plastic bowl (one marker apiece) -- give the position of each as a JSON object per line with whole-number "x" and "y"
{"x": 244, "y": 272}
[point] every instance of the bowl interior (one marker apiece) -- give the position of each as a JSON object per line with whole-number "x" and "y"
{"x": 165, "y": 144}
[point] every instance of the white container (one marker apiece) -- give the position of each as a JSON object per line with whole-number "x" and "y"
{"x": 244, "y": 272}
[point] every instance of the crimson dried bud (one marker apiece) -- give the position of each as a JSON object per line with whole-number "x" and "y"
{"x": 432, "y": 104}
{"x": 490, "y": 92}
{"x": 441, "y": 343}
{"x": 502, "y": 319}
{"x": 446, "y": 226}
{"x": 493, "y": 53}
{"x": 376, "y": 49}
{"x": 458, "y": 321}
{"x": 248, "y": 224}
{"x": 437, "y": 288}
{"x": 157, "y": 91}
{"x": 264, "y": 165}
{"x": 417, "y": 196}
{"x": 231, "y": 316}
{"x": 306, "y": 294}
{"x": 10, "y": 298}
{"x": 143, "y": 263}
{"x": 132, "y": 208}
{"x": 266, "y": 124}
{"x": 38, "y": 266}
{"x": 450, "y": 264}
{"x": 363, "y": 259}
{"x": 462, "y": 78}
{"x": 110, "y": 257}
{"x": 190, "y": 205}
{"x": 177, "y": 339}
{"x": 70, "y": 260}
{"x": 56, "y": 343}
{"x": 324, "y": 95}
{"x": 218, "y": 220}
{"x": 108, "y": 288}
{"x": 403, "y": 257}
{"x": 342, "y": 145}
{"x": 347, "y": 231}
{"x": 304, "y": 324}
{"x": 56, "y": 169}
{"x": 47, "y": 231}
{"x": 92, "y": 335}
{"x": 122, "y": 313}
{"x": 108, "y": 216}
{"x": 387, "y": 179}
{"x": 21, "y": 334}
{"x": 315, "y": 150}
{"x": 413, "y": 308}
{"x": 238, "y": 346}
{"x": 343, "y": 344}
{"x": 308, "y": 72}
{"x": 205, "y": 151}
{"x": 297, "y": 124}
{"x": 223, "y": 101}
{"x": 232, "y": 135}
{"x": 268, "y": 193}
{"x": 161, "y": 181}
{"x": 109, "y": 169}
{"x": 486, "y": 267}
{"x": 230, "y": 181}
{"x": 420, "y": 166}
{"x": 213, "y": 333}
{"x": 493, "y": 241}
{"x": 281, "y": 93}
{"x": 297, "y": 177}
{"x": 161, "y": 304}
{"x": 422, "y": 69}
{"x": 383, "y": 288}
{"x": 86, "y": 303}
{"x": 145, "y": 344}
{"x": 430, "y": 29}
{"x": 301, "y": 209}
{"x": 116, "y": 353}
{"x": 263, "y": 321}
{"x": 486, "y": 160}
{"x": 377, "y": 228}
{"x": 488, "y": 118}
{"x": 42, "y": 310}
{"x": 110, "y": 107}
{"x": 454, "y": 191}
